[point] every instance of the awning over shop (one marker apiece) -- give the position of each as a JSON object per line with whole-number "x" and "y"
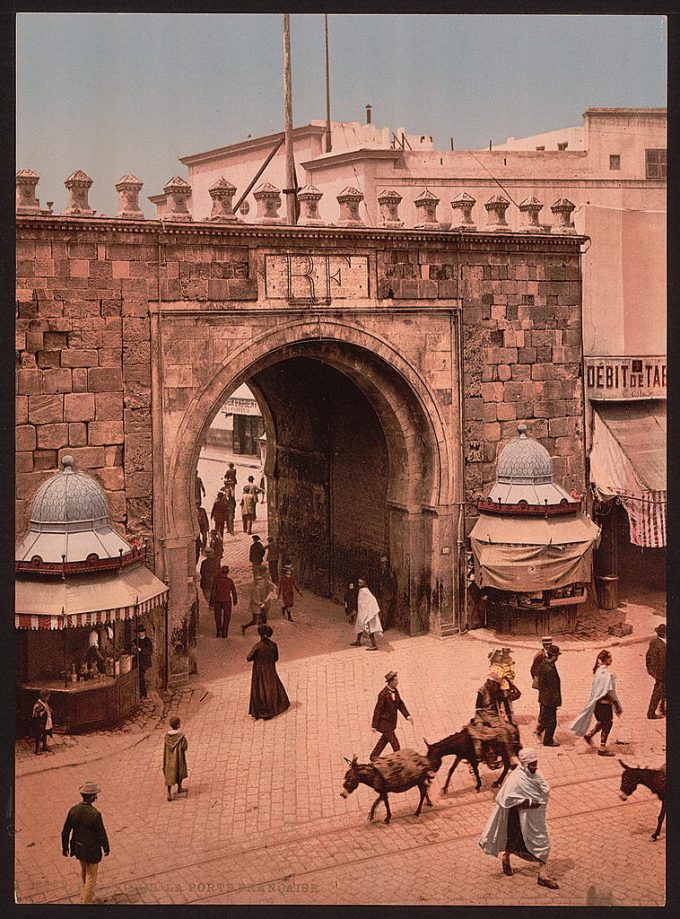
{"x": 56, "y": 604}
{"x": 532, "y": 554}
{"x": 628, "y": 461}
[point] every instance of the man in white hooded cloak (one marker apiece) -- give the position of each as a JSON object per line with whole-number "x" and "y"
{"x": 517, "y": 824}
{"x": 368, "y": 617}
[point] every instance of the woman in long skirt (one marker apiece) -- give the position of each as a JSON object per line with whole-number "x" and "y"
{"x": 268, "y": 697}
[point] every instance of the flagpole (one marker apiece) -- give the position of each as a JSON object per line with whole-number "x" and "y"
{"x": 289, "y": 190}
{"x": 328, "y": 90}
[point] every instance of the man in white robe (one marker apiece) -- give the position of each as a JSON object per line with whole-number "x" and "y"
{"x": 368, "y": 617}
{"x": 517, "y": 824}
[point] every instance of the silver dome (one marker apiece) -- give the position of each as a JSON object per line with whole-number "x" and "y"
{"x": 524, "y": 461}
{"x": 69, "y": 521}
{"x": 69, "y": 500}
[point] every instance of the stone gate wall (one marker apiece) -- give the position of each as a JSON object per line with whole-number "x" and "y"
{"x": 125, "y": 328}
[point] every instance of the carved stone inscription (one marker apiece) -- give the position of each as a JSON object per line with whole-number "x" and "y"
{"x": 316, "y": 277}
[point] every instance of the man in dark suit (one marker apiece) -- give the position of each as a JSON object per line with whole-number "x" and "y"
{"x": 85, "y": 827}
{"x": 385, "y": 715}
{"x": 656, "y": 667}
{"x": 145, "y": 651}
{"x": 549, "y": 697}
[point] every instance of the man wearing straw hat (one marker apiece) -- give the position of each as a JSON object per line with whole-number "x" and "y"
{"x": 85, "y": 827}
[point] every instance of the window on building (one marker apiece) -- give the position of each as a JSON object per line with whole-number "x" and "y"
{"x": 655, "y": 164}
{"x": 540, "y": 148}
{"x": 563, "y": 146}
{"x": 614, "y": 161}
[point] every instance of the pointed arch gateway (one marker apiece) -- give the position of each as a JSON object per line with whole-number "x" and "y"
{"x": 360, "y": 462}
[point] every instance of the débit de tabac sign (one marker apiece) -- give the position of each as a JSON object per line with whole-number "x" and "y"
{"x": 626, "y": 377}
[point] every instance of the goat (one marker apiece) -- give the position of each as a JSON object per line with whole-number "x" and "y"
{"x": 654, "y": 779}
{"x": 397, "y": 772}
{"x": 462, "y": 746}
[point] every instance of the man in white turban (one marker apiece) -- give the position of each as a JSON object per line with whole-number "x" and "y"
{"x": 517, "y": 824}
{"x": 368, "y": 617}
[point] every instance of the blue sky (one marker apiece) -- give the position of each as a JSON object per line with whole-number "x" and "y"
{"x": 130, "y": 93}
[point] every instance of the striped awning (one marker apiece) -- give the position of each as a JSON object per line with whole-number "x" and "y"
{"x": 628, "y": 461}
{"x": 86, "y": 601}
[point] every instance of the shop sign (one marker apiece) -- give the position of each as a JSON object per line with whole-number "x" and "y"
{"x": 622, "y": 378}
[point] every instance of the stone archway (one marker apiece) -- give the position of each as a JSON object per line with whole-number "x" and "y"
{"x": 420, "y": 460}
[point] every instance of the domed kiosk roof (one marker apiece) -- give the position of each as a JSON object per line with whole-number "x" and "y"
{"x": 69, "y": 500}
{"x": 525, "y": 480}
{"x": 69, "y": 523}
{"x": 524, "y": 461}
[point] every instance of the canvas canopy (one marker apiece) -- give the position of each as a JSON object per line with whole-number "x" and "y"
{"x": 533, "y": 553}
{"x": 57, "y": 604}
{"x": 628, "y": 461}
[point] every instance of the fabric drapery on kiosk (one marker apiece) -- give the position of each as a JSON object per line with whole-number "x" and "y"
{"x": 628, "y": 461}
{"x": 533, "y": 553}
{"x": 86, "y": 600}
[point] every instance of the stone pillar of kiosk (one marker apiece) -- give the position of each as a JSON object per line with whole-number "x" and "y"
{"x": 309, "y": 198}
{"x": 389, "y": 202}
{"x": 222, "y": 193}
{"x": 349, "y": 200}
{"x": 128, "y": 189}
{"x": 78, "y": 187}
{"x": 177, "y": 194}
{"x": 268, "y": 199}
{"x": 27, "y": 203}
{"x": 530, "y": 208}
{"x": 462, "y": 206}
{"x": 563, "y": 209}
{"x": 496, "y": 208}
{"x": 426, "y": 211}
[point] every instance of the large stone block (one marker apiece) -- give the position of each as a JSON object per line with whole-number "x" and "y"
{"x": 79, "y": 407}
{"x": 79, "y": 379}
{"x": 105, "y": 432}
{"x": 85, "y": 457}
{"x": 77, "y": 358}
{"x": 23, "y": 462}
{"x": 25, "y": 437}
{"x": 45, "y": 459}
{"x": 105, "y": 379}
{"x": 21, "y": 404}
{"x": 114, "y": 455}
{"x": 77, "y": 434}
{"x": 52, "y": 436}
{"x": 112, "y": 478}
{"x": 108, "y": 406}
{"x": 29, "y": 382}
{"x": 45, "y": 409}
{"x": 57, "y": 381}
{"x": 47, "y": 360}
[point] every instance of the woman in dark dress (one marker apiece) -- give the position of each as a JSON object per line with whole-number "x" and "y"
{"x": 268, "y": 698}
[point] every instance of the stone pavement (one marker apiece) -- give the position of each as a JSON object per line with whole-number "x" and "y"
{"x": 264, "y": 821}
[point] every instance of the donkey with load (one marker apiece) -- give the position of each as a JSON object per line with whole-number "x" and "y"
{"x": 394, "y": 773}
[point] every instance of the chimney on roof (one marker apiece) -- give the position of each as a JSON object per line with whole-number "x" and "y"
{"x": 368, "y": 114}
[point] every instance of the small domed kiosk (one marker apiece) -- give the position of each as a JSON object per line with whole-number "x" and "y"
{"x": 532, "y": 545}
{"x": 80, "y": 592}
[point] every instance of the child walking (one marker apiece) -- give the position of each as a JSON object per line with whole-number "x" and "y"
{"x": 174, "y": 758}
{"x": 287, "y": 588}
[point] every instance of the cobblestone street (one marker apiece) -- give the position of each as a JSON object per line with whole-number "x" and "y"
{"x": 264, "y": 822}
